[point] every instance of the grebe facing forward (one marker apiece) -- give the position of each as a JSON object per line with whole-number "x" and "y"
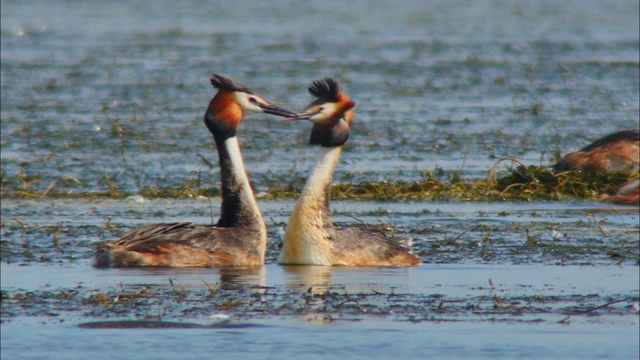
{"x": 240, "y": 236}
{"x": 619, "y": 151}
{"x": 311, "y": 238}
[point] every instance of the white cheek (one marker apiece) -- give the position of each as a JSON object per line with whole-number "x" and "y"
{"x": 248, "y": 107}
{"x": 252, "y": 109}
{"x": 327, "y": 110}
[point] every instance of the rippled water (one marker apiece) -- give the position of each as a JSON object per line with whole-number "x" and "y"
{"x": 447, "y": 311}
{"x": 97, "y": 92}
{"x": 120, "y": 88}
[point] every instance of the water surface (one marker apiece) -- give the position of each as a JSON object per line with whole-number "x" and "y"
{"x": 109, "y": 96}
{"x": 447, "y": 311}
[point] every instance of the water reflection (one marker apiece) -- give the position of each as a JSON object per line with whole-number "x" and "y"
{"x": 311, "y": 279}
{"x": 232, "y": 278}
{"x": 315, "y": 283}
{"x": 329, "y": 290}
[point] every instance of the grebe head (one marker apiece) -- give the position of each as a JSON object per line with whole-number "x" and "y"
{"x": 232, "y": 102}
{"x": 331, "y": 113}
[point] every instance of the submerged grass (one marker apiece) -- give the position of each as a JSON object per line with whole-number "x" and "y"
{"x": 519, "y": 183}
{"x": 320, "y": 306}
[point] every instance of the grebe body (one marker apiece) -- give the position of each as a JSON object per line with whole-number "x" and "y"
{"x": 619, "y": 151}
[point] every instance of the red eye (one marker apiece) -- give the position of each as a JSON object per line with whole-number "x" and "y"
{"x": 253, "y": 100}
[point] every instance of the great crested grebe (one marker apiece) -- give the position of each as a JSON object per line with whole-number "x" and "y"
{"x": 628, "y": 194}
{"x": 311, "y": 238}
{"x": 240, "y": 236}
{"x": 619, "y": 151}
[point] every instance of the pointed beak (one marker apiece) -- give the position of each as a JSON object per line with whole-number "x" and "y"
{"x": 302, "y": 116}
{"x": 274, "y": 110}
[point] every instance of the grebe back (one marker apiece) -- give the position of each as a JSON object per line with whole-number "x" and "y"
{"x": 619, "y": 151}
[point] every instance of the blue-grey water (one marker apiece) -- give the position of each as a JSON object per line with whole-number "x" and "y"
{"x": 120, "y": 88}
{"x": 96, "y": 94}
{"x": 549, "y": 332}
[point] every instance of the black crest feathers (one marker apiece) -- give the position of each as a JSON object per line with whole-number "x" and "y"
{"x": 326, "y": 89}
{"x": 221, "y": 82}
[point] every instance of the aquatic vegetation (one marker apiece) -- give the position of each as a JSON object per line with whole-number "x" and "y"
{"x": 517, "y": 183}
{"x": 522, "y": 183}
{"x": 140, "y": 303}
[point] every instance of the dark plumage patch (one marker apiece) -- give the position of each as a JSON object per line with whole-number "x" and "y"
{"x": 624, "y": 135}
{"x": 330, "y": 135}
{"x": 326, "y": 89}
{"x": 221, "y": 82}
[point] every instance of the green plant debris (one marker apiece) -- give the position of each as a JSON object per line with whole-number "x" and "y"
{"x": 520, "y": 183}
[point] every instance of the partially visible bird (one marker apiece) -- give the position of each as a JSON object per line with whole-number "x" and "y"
{"x": 628, "y": 194}
{"x": 619, "y": 151}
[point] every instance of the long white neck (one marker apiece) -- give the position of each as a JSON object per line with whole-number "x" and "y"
{"x": 311, "y": 221}
{"x": 317, "y": 185}
{"x": 240, "y": 173}
{"x": 239, "y": 207}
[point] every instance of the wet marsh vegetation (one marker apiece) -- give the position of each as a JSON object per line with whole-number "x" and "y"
{"x": 237, "y": 303}
{"x": 517, "y": 182}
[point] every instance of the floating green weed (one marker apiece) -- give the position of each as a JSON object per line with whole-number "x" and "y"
{"x": 518, "y": 183}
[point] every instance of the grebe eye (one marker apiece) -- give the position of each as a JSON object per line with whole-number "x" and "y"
{"x": 253, "y": 100}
